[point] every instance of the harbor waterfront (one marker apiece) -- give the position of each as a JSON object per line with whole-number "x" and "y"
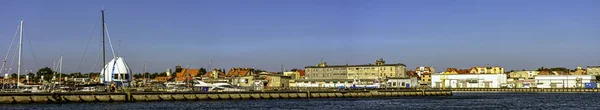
{"x": 560, "y": 101}
{"x": 168, "y": 96}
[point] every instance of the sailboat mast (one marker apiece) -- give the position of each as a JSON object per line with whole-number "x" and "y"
{"x": 60, "y": 69}
{"x": 103, "y": 45}
{"x": 144, "y": 72}
{"x": 20, "y": 54}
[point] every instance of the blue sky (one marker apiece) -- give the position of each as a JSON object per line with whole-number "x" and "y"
{"x": 264, "y": 34}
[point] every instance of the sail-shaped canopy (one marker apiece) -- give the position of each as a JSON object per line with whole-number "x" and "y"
{"x": 117, "y": 71}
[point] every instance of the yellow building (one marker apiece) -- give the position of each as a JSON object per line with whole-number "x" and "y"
{"x": 379, "y": 70}
{"x": 487, "y": 70}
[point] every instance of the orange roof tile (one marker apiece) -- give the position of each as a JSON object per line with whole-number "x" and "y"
{"x": 236, "y": 72}
{"x": 301, "y": 72}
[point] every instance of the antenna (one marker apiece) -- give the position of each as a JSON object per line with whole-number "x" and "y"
{"x": 346, "y": 61}
{"x": 210, "y": 64}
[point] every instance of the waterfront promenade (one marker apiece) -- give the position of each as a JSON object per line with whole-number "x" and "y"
{"x": 167, "y": 96}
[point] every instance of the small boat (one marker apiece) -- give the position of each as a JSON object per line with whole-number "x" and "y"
{"x": 224, "y": 87}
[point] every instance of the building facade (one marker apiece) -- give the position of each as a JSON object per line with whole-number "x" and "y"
{"x": 487, "y": 70}
{"x": 424, "y": 70}
{"x": 379, "y": 70}
{"x": 527, "y": 74}
{"x": 468, "y": 80}
{"x": 593, "y": 70}
{"x": 563, "y": 81}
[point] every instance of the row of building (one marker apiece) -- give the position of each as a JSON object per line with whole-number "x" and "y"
{"x": 394, "y": 75}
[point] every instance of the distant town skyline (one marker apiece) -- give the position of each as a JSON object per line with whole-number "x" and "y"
{"x": 268, "y": 33}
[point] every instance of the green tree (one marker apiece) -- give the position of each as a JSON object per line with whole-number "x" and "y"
{"x": 162, "y": 74}
{"x": 46, "y": 72}
{"x": 202, "y": 71}
{"x": 14, "y": 75}
{"x": 294, "y": 69}
{"x": 560, "y": 69}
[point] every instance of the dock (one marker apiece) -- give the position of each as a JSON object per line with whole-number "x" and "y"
{"x": 168, "y": 96}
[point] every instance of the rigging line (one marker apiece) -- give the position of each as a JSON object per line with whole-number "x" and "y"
{"x": 97, "y": 58}
{"x": 9, "y": 48}
{"x": 109, "y": 41}
{"x": 12, "y": 61}
{"x": 88, "y": 44}
{"x": 32, "y": 53}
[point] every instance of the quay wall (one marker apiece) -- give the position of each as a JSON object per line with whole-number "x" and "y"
{"x": 167, "y": 96}
{"x": 549, "y": 90}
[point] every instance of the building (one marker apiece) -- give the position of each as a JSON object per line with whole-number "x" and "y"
{"x": 468, "y": 80}
{"x": 424, "y": 70}
{"x": 456, "y": 71}
{"x": 298, "y": 74}
{"x": 214, "y": 74}
{"x": 487, "y": 70}
{"x": 116, "y": 71}
{"x": 593, "y": 70}
{"x": 168, "y": 72}
{"x": 161, "y": 79}
{"x": 240, "y": 72}
{"x": 425, "y": 79}
{"x": 526, "y": 74}
{"x": 332, "y": 83}
{"x": 277, "y": 80}
{"x": 183, "y": 74}
{"x": 563, "y": 81}
{"x": 379, "y": 70}
{"x": 402, "y": 82}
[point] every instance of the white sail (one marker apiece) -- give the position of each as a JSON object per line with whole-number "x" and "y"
{"x": 116, "y": 70}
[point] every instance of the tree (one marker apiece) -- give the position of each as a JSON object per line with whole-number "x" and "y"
{"x": 560, "y": 69}
{"x": 46, "y": 72}
{"x": 202, "y": 71}
{"x": 162, "y": 74}
{"x": 540, "y": 69}
{"x": 293, "y": 70}
{"x": 153, "y": 75}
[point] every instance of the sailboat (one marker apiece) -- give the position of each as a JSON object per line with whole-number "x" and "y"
{"x": 115, "y": 71}
{"x": 20, "y": 58}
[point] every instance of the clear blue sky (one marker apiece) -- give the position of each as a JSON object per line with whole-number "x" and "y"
{"x": 515, "y": 34}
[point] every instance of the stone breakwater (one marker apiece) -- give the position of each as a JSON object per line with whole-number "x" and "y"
{"x": 168, "y": 96}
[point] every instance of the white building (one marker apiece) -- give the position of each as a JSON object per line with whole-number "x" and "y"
{"x": 563, "y": 81}
{"x": 116, "y": 71}
{"x": 403, "y": 82}
{"x": 468, "y": 80}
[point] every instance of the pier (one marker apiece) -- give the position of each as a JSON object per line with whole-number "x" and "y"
{"x": 168, "y": 96}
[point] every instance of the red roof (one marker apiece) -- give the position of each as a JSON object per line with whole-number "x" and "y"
{"x": 235, "y": 72}
{"x": 301, "y": 72}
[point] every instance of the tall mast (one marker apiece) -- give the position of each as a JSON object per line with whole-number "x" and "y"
{"x": 20, "y": 54}
{"x": 60, "y": 69}
{"x": 144, "y": 72}
{"x": 103, "y": 46}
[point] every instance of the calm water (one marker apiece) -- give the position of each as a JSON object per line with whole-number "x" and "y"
{"x": 458, "y": 101}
